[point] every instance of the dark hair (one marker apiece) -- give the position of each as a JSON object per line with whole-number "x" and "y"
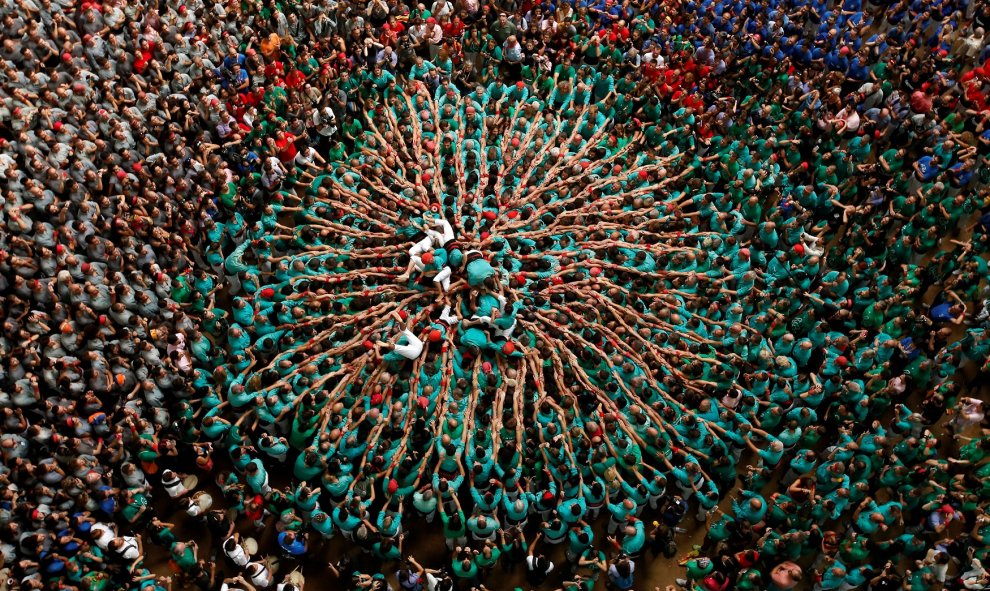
{"x": 623, "y": 567}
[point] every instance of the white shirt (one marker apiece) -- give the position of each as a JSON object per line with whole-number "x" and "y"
{"x": 442, "y": 8}
{"x": 431, "y": 582}
{"x": 130, "y": 548}
{"x": 655, "y": 58}
{"x": 238, "y": 556}
{"x": 103, "y": 538}
{"x": 325, "y": 122}
{"x": 305, "y": 157}
{"x": 436, "y": 35}
{"x": 261, "y": 577}
{"x": 852, "y": 120}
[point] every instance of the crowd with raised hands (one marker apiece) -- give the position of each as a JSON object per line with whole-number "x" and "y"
{"x": 560, "y": 283}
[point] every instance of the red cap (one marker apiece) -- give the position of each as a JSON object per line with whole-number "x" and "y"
{"x": 427, "y": 257}
{"x": 435, "y": 336}
{"x": 486, "y": 367}
{"x": 744, "y": 252}
{"x": 368, "y": 345}
{"x": 490, "y": 215}
{"x": 85, "y": 267}
{"x": 841, "y": 361}
{"x": 66, "y": 57}
{"x": 121, "y": 174}
{"x": 515, "y": 142}
{"x": 520, "y": 85}
{"x": 137, "y": 167}
{"x": 426, "y": 177}
{"x": 393, "y": 486}
{"x": 513, "y": 214}
{"x": 799, "y": 248}
{"x": 596, "y": 271}
{"x": 268, "y": 293}
{"x": 403, "y": 314}
{"x": 508, "y": 348}
{"x": 644, "y": 175}
{"x": 57, "y": 126}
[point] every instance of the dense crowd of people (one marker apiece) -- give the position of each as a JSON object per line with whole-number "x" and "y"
{"x": 563, "y": 281}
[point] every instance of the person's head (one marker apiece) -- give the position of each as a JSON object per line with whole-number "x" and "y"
{"x": 623, "y": 566}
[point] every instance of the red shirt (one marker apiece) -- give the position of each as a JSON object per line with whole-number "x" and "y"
{"x": 453, "y": 28}
{"x": 920, "y": 102}
{"x": 705, "y": 133}
{"x": 695, "y": 102}
{"x": 259, "y": 510}
{"x": 651, "y": 72}
{"x": 976, "y": 97}
{"x": 286, "y": 148}
{"x": 274, "y": 70}
{"x": 389, "y": 38}
{"x": 295, "y": 79}
{"x": 142, "y": 58}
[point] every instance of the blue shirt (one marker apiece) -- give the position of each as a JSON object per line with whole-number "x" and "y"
{"x": 940, "y": 312}
{"x": 928, "y": 169}
{"x": 962, "y": 176}
{"x": 295, "y": 548}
